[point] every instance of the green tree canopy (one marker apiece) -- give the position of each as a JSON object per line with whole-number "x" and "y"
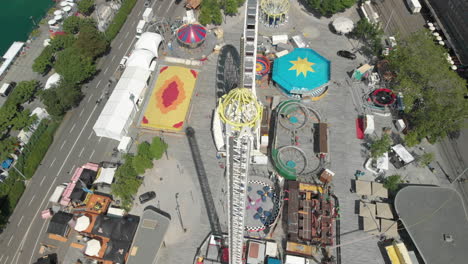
{"x": 61, "y": 42}
{"x": 23, "y": 119}
{"x": 330, "y": 7}
{"x": 380, "y": 146}
{"x": 73, "y": 66}
{"x": 24, "y": 91}
{"x": 126, "y": 182}
{"x": 370, "y": 34}
{"x": 392, "y": 183}
{"x": 86, "y": 7}
{"x": 230, "y": 7}
{"x": 71, "y": 24}
{"x": 210, "y": 12}
{"x": 144, "y": 149}
{"x": 7, "y": 146}
{"x": 141, "y": 163}
{"x": 44, "y": 61}
{"x": 158, "y": 147}
{"x": 90, "y": 41}
{"x": 433, "y": 93}
{"x": 61, "y": 98}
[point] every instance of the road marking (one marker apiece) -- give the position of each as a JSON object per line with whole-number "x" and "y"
{"x": 21, "y": 220}
{"x": 169, "y": 7}
{"x": 30, "y": 225}
{"x": 52, "y": 163}
{"x": 81, "y": 112}
{"x": 78, "y": 137}
{"x": 139, "y": 13}
{"x": 73, "y": 127}
{"x": 63, "y": 144}
{"x": 105, "y": 71}
{"x": 43, "y": 178}
{"x": 131, "y": 44}
{"x": 72, "y": 169}
{"x": 89, "y": 99}
{"x": 6, "y": 260}
{"x": 9, "y": 241}
{"x": 92, "y": 153}
{"x": 121, "y": 43}
{"x": 126, "y": 35}
{"x": 113, "y": 57}
{"x": 90, "y": 134}
{"x": 99, "y": 139}
{"x": 159, "y": 7}
{"x": 1, "y": 258}
{"x": 133, "y": 24}
{"x": 154, "y": 2}
{"x": 97, "y": 85}
{"x": 32, "y": 199}
{"x": 81, "y": 152}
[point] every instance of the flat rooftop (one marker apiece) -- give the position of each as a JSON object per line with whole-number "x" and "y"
{"x": 428, "y": 213}
{"x": 149, "y": 236}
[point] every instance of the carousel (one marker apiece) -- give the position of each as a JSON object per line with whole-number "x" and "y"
{"x": 191, "y": 35}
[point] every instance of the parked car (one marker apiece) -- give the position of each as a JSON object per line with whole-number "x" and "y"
{"x": 147, "y": 196}
{"x": 346, "y": 54}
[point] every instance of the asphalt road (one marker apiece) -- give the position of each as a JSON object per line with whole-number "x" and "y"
{"x": 75, "y": 144}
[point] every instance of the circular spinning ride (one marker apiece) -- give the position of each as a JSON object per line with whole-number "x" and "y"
{"x": 274, "y": 12}
{"x": 240, "y": 108}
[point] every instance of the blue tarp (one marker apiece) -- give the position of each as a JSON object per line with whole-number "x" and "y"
{"x": 301, "y": 71}
{"x": 273, "y": 261}
{"x": 7, "y": 163}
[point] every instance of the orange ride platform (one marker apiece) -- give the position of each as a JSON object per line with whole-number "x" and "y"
{"x": 170, "y": 99}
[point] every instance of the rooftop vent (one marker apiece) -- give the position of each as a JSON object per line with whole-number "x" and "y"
{"x": 448, "y": 238}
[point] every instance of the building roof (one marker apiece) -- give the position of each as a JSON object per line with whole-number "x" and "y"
{"x": 430, "y": 213}
{"x": 384, "y": 210}
{"x": 363, "y": 187}
{"x": 379, "y": 190}
{"x": 371, "y": 225}
{"x": 301, "y": 71}
{"x": 13, "y": 50}
{"x": 366, "y": 209}
{"x": 149, "y": 236}
{"x": 389, "y": 227}
{"x": 59, "y": 223}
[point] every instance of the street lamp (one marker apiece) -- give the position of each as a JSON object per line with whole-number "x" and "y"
{"x": 178, "y": 213}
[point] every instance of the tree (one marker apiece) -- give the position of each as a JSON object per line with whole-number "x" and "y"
{"x": 141, "y": 163}
{"x": 330, "y": 7}
{"x": 433, "y": 94}
{"x": 216, "y": 16}
{"x": 44, "y": 61}
{"x": 90, "y": 42}
{"x": 73, "y": 66}
{"x": 86, "y": 7}
{"x": 71, "y": 24}
{"x": 7, "y": 146}
{"x": 158, "y": 147}
{"x": 205, "y": 12}
{"x": 23, "y": 119}
{"x": 230, "y": 7}
{"x": 392, "y": 183}
{"x": 61, "y": 98}
{"x": 371, "y": 34}
{"x": 380, "y": 146}
{"x": 24, "y": 91}
{"x": 61, "y": 42}
{"x": 144, "y": 149}
{"x": 7, "y": 113}
{"x": 425, "y": 159}
{"x": 127, "y": 183}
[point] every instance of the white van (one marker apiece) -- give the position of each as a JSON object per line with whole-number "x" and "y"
{"x": 6, "y": 89}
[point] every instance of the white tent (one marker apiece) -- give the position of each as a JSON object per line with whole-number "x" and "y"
{"x": 404, "y": 155}
{"x": 64, "y": 3}
{"x": 57, "y": 12}
{"x": 121, "y": 107}
{"x": 369, "y": 125}
{"x": 140, "y": 58}
{"x": 92, "y": 248}
{"x": 46, "y": 42}
{"x": 343, "y": 25}
{"x": 106, "y": 176}
{"x": 52, "y": 22}
{"x": 58, "y": 17}
{"x": 52, "y": 80}
{"x": 82, "y": 223}
{"x": 382, "y": 162}
{"x": 66, "y": 8}
{"x": 149, "y": 41}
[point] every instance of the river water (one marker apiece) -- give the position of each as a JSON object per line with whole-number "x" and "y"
{"x": 16, "y": 19}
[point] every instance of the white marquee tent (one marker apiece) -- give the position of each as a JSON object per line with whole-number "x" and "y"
{"x": 149, "y": 41}
{"x": 52, "y": 80}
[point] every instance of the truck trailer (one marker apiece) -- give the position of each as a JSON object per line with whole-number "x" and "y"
{"x": 414, "y": 6}
{"x": 148, "y": 15}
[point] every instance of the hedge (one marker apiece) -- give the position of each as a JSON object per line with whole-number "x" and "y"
{"x": 13, "y": 187}
{"x": 119, "y": 19}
